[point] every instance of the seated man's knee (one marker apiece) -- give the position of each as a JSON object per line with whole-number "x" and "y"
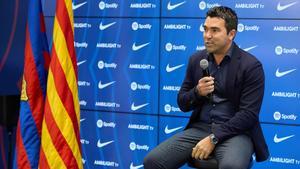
{"x": 150, "y": 161}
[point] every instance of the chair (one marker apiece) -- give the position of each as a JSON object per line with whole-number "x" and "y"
{"x": 210, "y": 163}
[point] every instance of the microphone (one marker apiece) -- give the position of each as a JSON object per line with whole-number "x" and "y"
{"x": 204, "y": 66}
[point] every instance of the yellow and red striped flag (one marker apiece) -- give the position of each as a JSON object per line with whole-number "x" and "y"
{"x": 60, "y": 145}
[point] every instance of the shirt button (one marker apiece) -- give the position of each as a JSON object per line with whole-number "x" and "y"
{"x": 214, "y": 105}
{"x": 191, "y": 102}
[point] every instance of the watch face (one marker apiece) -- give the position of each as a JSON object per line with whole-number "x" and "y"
{"x": 213, "y": 138}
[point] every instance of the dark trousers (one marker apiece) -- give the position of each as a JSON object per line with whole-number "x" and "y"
{"x": 234, "y": 153}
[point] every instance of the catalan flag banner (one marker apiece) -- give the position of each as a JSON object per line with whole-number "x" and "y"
{"x": 60, "y": 145}
{"x": 36, "y": 63}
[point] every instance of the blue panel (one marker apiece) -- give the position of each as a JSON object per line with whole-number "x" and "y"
{"x": 119, "y": 72}
{"x": 132, "y": 57}
{"x": 141, "y": 8}
{"x": 176, "y": 48}
{"x": 281, "y": 61}
{"x": 111, "y": 8}
{"x": 283, "y": 142}
{"x": 181, "y": 8}
{"x": 244, "y": 8}
{"x": 169, "y": 126}
{"x": 116, "y": 140}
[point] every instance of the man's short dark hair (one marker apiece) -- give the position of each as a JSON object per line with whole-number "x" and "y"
{"x": 226, "y": 13}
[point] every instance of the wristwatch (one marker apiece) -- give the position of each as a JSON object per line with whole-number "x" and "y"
{"x": 213, "y": 139}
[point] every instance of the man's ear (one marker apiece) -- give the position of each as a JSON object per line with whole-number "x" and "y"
{"x": 232, "y": 34}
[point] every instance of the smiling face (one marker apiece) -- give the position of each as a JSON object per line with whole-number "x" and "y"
{"x": 216, "y": 38}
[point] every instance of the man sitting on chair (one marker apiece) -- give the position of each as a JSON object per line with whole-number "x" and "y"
{"x": 225, "y": 98}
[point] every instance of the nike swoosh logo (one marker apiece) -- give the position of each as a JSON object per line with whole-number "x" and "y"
{"x": 78, "y": 5}
{"x": 135, "y": 167}
{"x": 250, "y": 48}
{"x": 81, "y": 120}
{"x": 281, "y": 139}
{"x": 283, "y": 7}
{"x": 168, "y": 131}
{"x": 81, "y": 62}
{"x": 102, "y": 86}
{"x": 103, "y": 27}
{"x": 280, "y": 74}
{"x": 171, "y": 7}
{"x": 100, "y": 145}
{"x": 135, "y": 48}
{"x": 134, "y": 108}
{"x": 171, "y": 69}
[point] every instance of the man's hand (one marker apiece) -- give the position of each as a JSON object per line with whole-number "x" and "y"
{"x": 203, "y": 149}
{"x": 205, "y": 86}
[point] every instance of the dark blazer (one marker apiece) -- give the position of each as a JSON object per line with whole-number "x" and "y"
{"x": 244, "y": 88}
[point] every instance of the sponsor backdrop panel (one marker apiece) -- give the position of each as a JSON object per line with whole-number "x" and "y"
{"x": 132, "y": 58}
{"x": 269, "y": 40}
{"x": 281, "y": 60}
{"x": 116, "y": 140}
{"x": 119, "y": 73}
{"x": 110, "y": 8}
{"x": 283, "y": 141}
{"x": 179, "y": 8}
{"x": 175, "y": 48}
{"x": 139, "y": 8}
{"x": 245, "y": 8}
{"x": 169, "y": 126}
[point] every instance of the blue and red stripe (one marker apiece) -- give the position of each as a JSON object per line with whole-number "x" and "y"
{"x": 36, "y": 66}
